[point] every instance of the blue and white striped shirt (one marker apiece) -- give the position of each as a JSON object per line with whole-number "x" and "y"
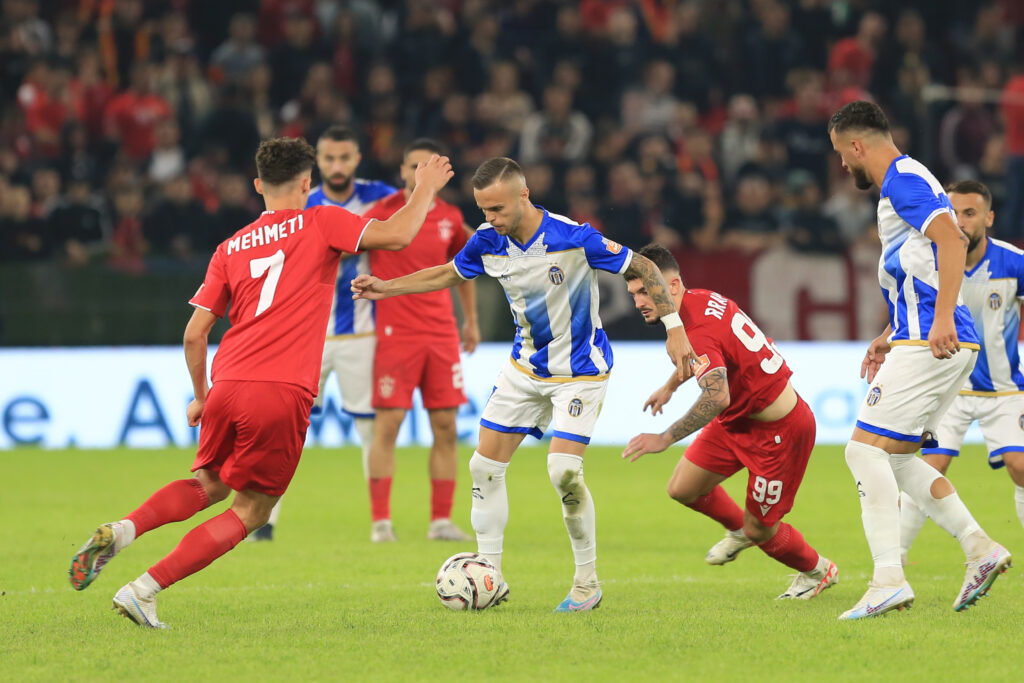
{"x": 551, "y": 287}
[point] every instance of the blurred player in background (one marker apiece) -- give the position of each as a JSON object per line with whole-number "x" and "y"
{"x": 418, "y": 347}
{"x": 276, "y": 274}
{"x": 348, "y": 352}
{"x": 915, "y": 368}
{"x": 560, "y": 357}
{"x": 750, "y": 416}
{"x": 994, "y": 394}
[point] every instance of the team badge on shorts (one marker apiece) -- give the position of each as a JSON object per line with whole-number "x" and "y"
{"x": 995, "y": 301}
{"x": 1020, "y": 422}
{"x": 575, "y": 407}
{"x": 556, "y": 275}
{"x": 874, "y": 396}
{"x": 386, "y": 386}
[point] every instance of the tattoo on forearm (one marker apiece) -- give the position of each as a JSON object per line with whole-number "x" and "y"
{"x": 714, "y": 388}
{"x": 643, "y": 269}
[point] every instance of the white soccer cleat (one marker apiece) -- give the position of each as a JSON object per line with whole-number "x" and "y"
{"x": 879, "y": 600}
{"x": 807, "y": 585}
{"x": 446, "y": 530}
{"x": 728, "y": 548}
{"x": 382, "y": 532}
{"x": 140, "y": 610}
{"x": 981, "y": 574}
{"x": 583, "y": 597}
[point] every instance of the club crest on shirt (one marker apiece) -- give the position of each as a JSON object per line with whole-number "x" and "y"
{"x": 874, "y": 396}
{"x": 575, "y": 407}
{"x": 444, "y": 229}
{"x": 556, "y": 275}
{"x": 995, "y": 302}
{"x": 611, "y": 245}
{"x": 386, "y": 386}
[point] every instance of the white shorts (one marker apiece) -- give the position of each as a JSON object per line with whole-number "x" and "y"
{"x": 351, "y": 361}
{"x": 1001, "y": 419}
{"x": 523, "y": 404}
{"x": 912, "y": 391}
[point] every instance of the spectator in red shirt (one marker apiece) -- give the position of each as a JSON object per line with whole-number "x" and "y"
{"x": 1012, "y": 225}
{"x": 852, "y": 58}
{"x": 131, "y": 118}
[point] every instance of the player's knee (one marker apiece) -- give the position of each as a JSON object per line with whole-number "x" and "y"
{"x": 565, "y": 471}
{"x": 755, "y": 531}
{"x": 485, "y": 471}
{"x": 444, "y": 431}
{"x": 1015, "y": 466}
{"x": 681, "y": 491}
{"x": 941, "y": 488}
{"x": 216, "y": 490}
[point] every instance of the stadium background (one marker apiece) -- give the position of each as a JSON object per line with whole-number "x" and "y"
{"x": 127, "y": 130}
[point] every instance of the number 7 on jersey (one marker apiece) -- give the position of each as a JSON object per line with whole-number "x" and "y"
{"x": 271, "y": 266}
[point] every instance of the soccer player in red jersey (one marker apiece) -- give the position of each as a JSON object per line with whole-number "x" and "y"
{"x": 277, "y": 274}
{"x": 751, "y": 418}
{"x": 418, "y": 346}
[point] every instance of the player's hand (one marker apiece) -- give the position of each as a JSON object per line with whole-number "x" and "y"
{"x": 874, "y": 358}
{"x": 435, "y": 173}
{"x": 369, "y": 287}
{"x": 942, "y": 338}
{"x": 194, "y": 412}
{"x": 470, "y": 336}
{"x": 645, "y": 443}
{"x": 658, "y": 400}
{"x": 681, "y": 353}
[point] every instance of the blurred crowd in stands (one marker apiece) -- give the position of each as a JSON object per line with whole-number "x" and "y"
{"x": 128, "y": 127}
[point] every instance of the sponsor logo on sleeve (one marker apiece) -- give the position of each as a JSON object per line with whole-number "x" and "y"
{"x": 699, "y": 364}
{"x": 611, "y": 245}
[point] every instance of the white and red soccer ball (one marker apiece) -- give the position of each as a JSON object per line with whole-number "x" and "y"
{"x": 467, "y": 581}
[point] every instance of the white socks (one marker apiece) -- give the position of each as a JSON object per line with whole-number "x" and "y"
{"x": 364, "y": 428}
{"x": 275, "y": 512}
{"x": 566, "y": 473}
{"x": 1018, "y": 497}
{"x": 879, "y": 496}
{"x": 490, "y": 506}
{"x": 146, "y": 587}
{"x": 912, "y": 518}
{"x": 125, "y": 535}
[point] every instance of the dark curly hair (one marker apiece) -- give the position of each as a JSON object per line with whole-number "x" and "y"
{"x": 281, "y": 160}
{"x": 859, "y": 115}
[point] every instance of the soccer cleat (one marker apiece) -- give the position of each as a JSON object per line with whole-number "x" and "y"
{"x": 981, "y": 573}
{"x": 582, "y": 598}
{"x": 381, "y": 532}
{"x": 90, "y": 559}
{"x": 807, "y": 585}
{"x": 879, "y": 600}
{"x": 501, "y": 596}
{"x": 446, "y": 530}
{"x": 264, "y": 533}
{"x": 141, "y": 611}
{"x": 728, "y": 548}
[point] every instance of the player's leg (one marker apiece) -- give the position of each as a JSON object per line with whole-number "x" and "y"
{"x": 442, "y": 393}
{"x": 949, "y": 437}
{"x": 175, "y": 502}
{"x": 487, "y": 467}
{"x": 695, "y": 483}
{"x": 1015, "y": 466}
{"x": 382, "y": 470}
{"x": 1001, "y": 424}
{"x": 443, "y": 466}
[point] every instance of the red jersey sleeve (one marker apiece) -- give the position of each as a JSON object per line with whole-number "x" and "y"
{"x": 341, "y": 229}
{"x": 214, "y": 294}
{"x": 708, "y": 350}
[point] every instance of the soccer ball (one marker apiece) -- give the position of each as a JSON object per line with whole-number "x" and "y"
{"x": 468, "y": 581}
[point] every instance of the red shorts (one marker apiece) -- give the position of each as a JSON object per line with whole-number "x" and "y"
{"x": 252, "y": 434}
{"x": 402, "y": 364}
{"x": 774, "y": 453}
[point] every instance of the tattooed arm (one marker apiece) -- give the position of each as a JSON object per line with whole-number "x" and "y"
{"x": 713, "y": 399}
{"x": 678, "y": 345}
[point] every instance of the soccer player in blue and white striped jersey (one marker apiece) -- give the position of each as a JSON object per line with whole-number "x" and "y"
{"x": 558, "y": 370}
{"x": 915, "y": 368}
{"x": 993, "y": 290}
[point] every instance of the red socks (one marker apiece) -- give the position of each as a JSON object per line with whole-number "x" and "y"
{"x": 789, "y": 547}
{"x": 380, "y": 498}
{"x": 720, "y": 507}
{"x": 177, "y": 501}
{"x": 200, "y": 547}
{"x": 442, "y": 493}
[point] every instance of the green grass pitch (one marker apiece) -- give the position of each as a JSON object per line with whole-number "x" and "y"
{"x": 323, "y": 603}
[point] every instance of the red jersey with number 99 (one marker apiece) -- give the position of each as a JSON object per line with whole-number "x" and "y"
{"x": 278, "y": 273}
{"x": 722, "y": 336}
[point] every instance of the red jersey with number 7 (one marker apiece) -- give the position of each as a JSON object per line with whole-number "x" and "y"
{"x": 722, "y": 336}
{"x": 278, "y": 274}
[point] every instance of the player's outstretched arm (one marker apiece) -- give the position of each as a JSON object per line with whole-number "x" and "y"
{"x": 677, "y": 344}
{"x": 951, "y": 257}
{"x": 399, "y": 230}
{"x": 663, "y": 394}
{"x": 713, "y": 399}
{"x": 875, "y": 356}
{"x": 196, "y": 342}
{"x": 426, "y": 280}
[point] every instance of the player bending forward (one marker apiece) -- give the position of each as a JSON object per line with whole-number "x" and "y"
{"x": 915, "y": 368}
{"x": 277, "y": 274}
{"x": 994, "y": 394}
{"x": 560, "y": 358}
{"x": 749, "y": 416}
